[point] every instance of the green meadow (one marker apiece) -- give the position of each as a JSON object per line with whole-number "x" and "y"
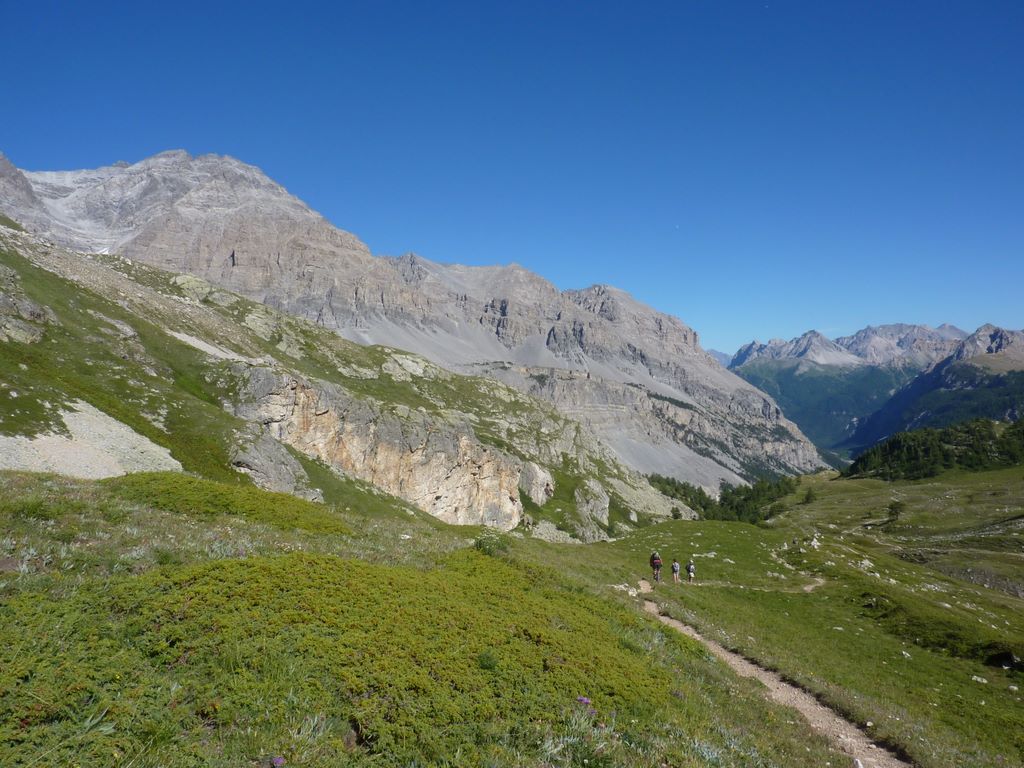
{"x": 167, "y": 620}
{"x": 910, "y": 624}
{"x": 162, "y": 619}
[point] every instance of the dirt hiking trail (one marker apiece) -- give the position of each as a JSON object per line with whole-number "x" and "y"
{"x": 843, "y": 734}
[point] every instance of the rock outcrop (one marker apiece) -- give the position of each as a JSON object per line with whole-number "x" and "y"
{"x": 592, "y": 511}
{"x": 21, "y": 319}
{"x": 270, "y": 466}
{"x": 443, "y": 472}
{"x": 537, "y": 483}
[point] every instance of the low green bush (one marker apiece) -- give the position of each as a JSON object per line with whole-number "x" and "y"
{"x": 325, "y": 661}
{"x": 175, "y": 492}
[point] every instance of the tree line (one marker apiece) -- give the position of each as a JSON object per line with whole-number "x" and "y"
{"x": 746, "y": 503}
{"x": 973, "y": 445}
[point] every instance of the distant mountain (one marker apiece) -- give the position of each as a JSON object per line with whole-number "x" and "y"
{"x": 983, "y": 378}
{"x": 637, "y": 378}
{"x": 812, "y": 347}
{"x": 723, "y": 358}
{"x": 917, "y": 346}
{"x": 990, "y": 345}
{"x": 826, "y": 401}
{"x": 829, "y": 387}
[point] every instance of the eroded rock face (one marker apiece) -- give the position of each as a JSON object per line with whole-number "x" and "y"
{"x": 592, "y": 509}
{"x": 437, "y": 467}
{"x": 714, "y": 435}
{"x": 537, "y": 483}
{"x": 271, "y": 467}
{"x": 21, "y": 319}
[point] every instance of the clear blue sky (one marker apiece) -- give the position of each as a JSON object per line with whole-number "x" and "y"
{"x": 756, "y": 168}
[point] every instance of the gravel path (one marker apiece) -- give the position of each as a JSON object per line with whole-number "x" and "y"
{"x": 843, "y": 734}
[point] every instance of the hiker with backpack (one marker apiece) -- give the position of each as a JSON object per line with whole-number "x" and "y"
{"x": 675, "y": 571}
{"x": 656, "y": 565}
{"x": 691, "y": 570}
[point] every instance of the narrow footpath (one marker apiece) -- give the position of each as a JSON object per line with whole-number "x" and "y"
{"x": 843, "y": 734}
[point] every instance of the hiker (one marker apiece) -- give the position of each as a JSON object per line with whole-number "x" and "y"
{"x": 675, "y": 571}
{"x": 656, "y": 565}
{"x": 691, "y": 570}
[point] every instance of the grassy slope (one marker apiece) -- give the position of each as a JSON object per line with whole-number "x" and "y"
{"x": 177, "y": 632}
{"x": 183, "y": 622}
{"x": 895, "y": 635}
{"x": 85, "y": 358}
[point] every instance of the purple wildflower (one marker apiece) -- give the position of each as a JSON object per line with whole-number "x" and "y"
{"x": 582, "y": 699}
{"x": 277, "y": 762}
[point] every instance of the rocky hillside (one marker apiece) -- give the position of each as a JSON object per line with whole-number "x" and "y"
{"x": 829, "y": 387}
{"x": 633, "y": 376}
{"x": 109, "y": 366}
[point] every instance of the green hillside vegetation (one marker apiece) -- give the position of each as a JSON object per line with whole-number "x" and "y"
{"x": 974, "y": 445}
{"x": 825, "y": 400}
{"x": 746, "y": 503}
{"x": 149, "y": 618}
{"x": 909, "y": 625}
{"x": 10, "y": 223}
{"x": 179, "y": 633}
{"x": 951, "y": 393}
{"x": 83, "y": 357}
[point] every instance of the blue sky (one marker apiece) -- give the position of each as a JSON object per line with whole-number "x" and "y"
{"x": 755, "y": 168}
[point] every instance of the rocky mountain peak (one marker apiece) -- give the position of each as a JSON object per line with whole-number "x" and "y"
{"x": 812, "y": 346}
{"x": 915, "y": 345}
{"x": 951, "y": 331}
{"x": 15, "y": 189}
{"x": 991, "y": 340}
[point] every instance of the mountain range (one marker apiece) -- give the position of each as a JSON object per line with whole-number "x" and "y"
{"x": 848, "y": 393}
{"x": 636, "y": 378}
